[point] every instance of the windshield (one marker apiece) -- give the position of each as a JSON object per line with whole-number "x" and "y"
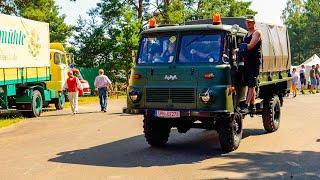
{"x": 200, "y": 48}
{"x": 157, "y": 49}
{"x": 59, "y": 58}
{"x": 70, "y": 58}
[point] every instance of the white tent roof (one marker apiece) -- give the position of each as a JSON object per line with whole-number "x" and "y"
{"x": 312, "y": 61}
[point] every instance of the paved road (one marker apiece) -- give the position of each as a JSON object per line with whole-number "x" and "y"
{"x": 96, "y": 145}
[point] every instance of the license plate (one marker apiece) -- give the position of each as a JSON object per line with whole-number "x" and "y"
{"x": 168, "y": 114}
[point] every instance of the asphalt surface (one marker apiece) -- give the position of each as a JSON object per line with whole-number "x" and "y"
{"x": 97, "y": 145}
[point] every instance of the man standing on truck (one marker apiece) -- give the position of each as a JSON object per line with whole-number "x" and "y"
{"x": 73, "y": 86}
{"x": 252, "y": 47}
{"x": 103, "y": 84}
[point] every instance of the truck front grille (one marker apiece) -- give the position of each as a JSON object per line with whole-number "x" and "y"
{"x": 176, "y": 95}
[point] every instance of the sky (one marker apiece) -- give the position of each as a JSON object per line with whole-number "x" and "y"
{"x": 269, "y": 11}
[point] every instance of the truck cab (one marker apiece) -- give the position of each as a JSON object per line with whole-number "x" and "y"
{"x": 60, "y": 63}
{"x": 58, "y": 66}
{"x": 191, "y": 76}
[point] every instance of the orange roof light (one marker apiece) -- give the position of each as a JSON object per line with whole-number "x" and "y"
{"x": 152, "y": 23}
{"x": 216, "y": 19}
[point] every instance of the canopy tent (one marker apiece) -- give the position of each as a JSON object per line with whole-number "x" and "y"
{"x": 313, "y": 60}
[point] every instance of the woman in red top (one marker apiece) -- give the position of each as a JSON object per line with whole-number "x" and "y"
{"x": 73, "y": 86}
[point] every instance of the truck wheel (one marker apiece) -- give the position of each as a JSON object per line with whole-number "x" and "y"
{"x": 36, "y": 105}
{"x": 230, "y": 133}
{"x": 271, "y": 114}
{"x": 156, "y": 130}
{"x": 60, "y": 101}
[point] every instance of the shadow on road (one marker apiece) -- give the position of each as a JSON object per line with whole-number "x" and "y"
{"x": 318, "y": 140}
{"x": 188, "y": 148}
{"x": 70, "y": 114}
{"x": 252, "y": 132}
{"x": 195, "y": 146}
{"x": 273, "y": 165}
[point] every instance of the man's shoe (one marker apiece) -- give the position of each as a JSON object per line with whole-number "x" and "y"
{"x": 252, "y": 109}
{"x": 244, "y": 110}
{"x": 105, "y": 110}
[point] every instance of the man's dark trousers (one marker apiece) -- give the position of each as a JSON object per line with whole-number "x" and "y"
{"x": 103, "y": 93}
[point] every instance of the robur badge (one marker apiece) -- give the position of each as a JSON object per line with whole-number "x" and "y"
{"x": 170, "y": 77}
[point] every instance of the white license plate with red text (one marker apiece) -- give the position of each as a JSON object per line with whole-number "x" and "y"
{"x": 167, "y": 114}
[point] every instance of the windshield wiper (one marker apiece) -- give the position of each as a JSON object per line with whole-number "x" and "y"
{"x": 193, "y": 40}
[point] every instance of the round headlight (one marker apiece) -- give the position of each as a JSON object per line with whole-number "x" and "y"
{"x": 206, "y": 96}
{"x": 135, "y": 96}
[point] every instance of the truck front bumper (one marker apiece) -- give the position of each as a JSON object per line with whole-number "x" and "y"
{"x": 184, "y": 113}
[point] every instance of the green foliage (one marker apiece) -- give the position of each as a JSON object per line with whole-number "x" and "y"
{"x": 40, "y": 10}
{"x": 302, "y": 20}
{"x": 109, "y": 44}
{"x": 202, "y": 9}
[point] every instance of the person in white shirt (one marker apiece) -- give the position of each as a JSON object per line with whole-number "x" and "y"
{"x": 303, "y": 79}
{"x": 103, "y": 84}
{"x": 295, "y": 81}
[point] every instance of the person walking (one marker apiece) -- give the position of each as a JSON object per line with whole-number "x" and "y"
{"x": 103, "y": 84}
{"x": 303, "y": 79}
{"x": 295, "y": 80}
{"x": 317, "y": 74}
{"x": 313, "y": 79}
{"x": 252, "y": 47}
{"x": 73, "y": 86}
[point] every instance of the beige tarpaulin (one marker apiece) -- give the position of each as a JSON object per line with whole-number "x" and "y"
{"x": 275, "y": 48}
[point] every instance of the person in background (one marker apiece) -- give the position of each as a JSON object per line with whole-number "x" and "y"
{"x": 317, "y": 74}
{"x": 313, "y": 79}
{"x": 168, "y": 55}
{"x": 295, "y": 81}
{"x": 303, "y": 79}
{"x": 103, "y": 85}
{"x": 73, "y": 86}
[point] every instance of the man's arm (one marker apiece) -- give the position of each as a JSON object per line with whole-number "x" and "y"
{"x": 256, "y": 37}
{"x": 109, "y": 83}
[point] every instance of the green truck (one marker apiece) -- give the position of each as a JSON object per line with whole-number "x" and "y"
{"x": 191, "y": 76}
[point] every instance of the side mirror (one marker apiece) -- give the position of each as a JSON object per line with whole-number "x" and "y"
{"x": 234, "y": 29}
{"x": 225, "y": 58}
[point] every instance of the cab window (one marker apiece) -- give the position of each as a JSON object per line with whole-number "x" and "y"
{"x": 57, "y": 58}
{"x": 197, "y": 48}
{"x": 157, "y": 49}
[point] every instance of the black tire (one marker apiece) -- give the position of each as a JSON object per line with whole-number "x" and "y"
{"x": 60, "y": 101}
{"x": 271, "y": 114}
{"x": 36, "y": 105}
{"x": 156, "y": 131}
{"x": 230, "y": 133}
